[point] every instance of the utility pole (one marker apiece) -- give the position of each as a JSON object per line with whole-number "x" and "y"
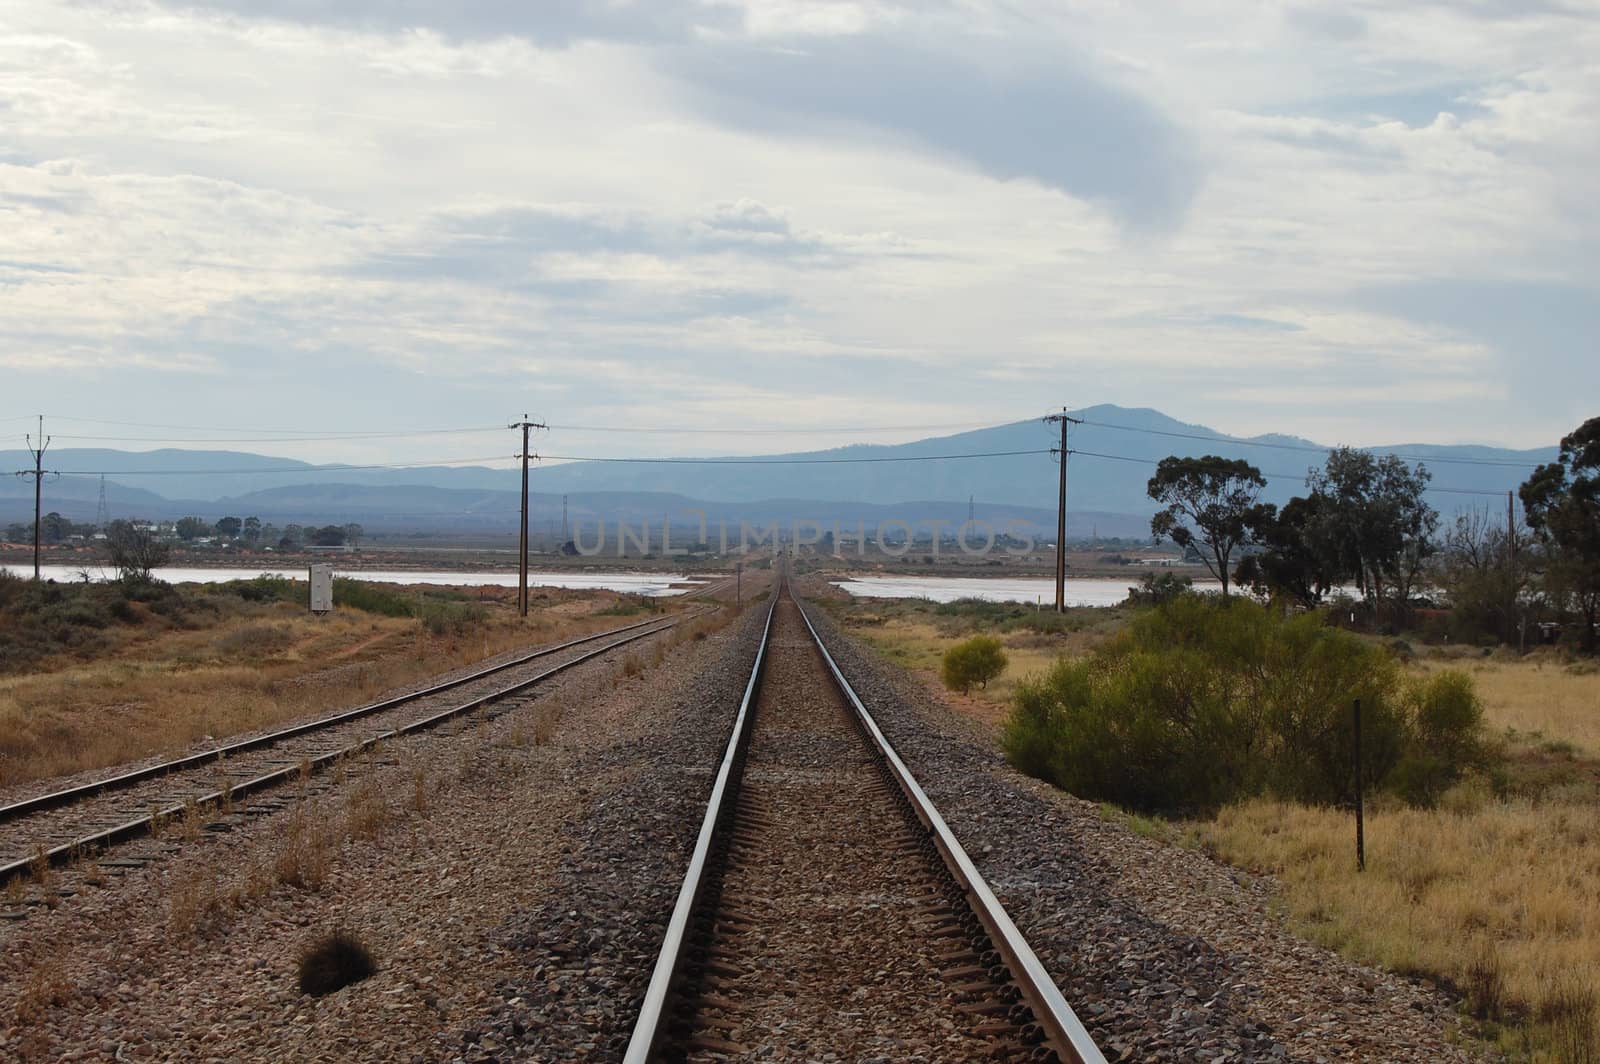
{"x": 38, "y": 488}
{"x": 522, "y": 551}
{"x": 1061, "y": 511}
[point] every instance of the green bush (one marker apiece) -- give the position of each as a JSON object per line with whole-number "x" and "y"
{"x": 450, "y": 618}
{"x": 374, "y": 598}
{"x": 972, "y": 661}
{"x": 1156, "y": 589}
{"x": 1200, "y": 703}
{"x": 267, "y": 588}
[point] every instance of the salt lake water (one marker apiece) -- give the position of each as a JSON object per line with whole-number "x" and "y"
{"x": 634, "y": 583}
{"x": 1079, "y": 592}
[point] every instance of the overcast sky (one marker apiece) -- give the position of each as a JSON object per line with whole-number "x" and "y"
{"x": 1359, "y": 222}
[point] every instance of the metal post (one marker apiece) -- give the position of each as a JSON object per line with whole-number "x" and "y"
{"x": 1361, "y": 831}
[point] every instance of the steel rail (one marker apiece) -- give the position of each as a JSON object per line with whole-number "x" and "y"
{"x": 57, "y": 799}
{"x": 648, "y": 1029}
{"x": 100, "y": 840}
{"x": 1060, "y": 1026}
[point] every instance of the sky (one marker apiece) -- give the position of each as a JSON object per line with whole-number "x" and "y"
{"x": 796, "y": 223}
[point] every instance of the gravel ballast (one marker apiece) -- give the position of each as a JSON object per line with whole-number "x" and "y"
{"x": 1165, "y": 954}
{"x": 433, "y": 854}
{"x": 515, "y": 887}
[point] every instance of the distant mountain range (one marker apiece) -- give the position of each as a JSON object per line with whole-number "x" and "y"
{"x": 1114, "y": 452}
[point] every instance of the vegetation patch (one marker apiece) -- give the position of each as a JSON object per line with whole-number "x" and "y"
{"x": 333, "y": 962}
{"x": 1200, "y": 703}
{"x": 972, "y": 662}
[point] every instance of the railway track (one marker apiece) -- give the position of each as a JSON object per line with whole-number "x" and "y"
{"x": 83, "y": 822}
{"x": 828, "y": 909}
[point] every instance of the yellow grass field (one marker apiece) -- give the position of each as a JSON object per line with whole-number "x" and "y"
{"x": 1542, "y": 698}
{"x": 1496, "y": 892}
{"x": 160, "y": 689}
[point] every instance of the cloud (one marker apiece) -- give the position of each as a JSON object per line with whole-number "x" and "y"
{"x": 556, "y": 23}
{"x": 1051, "y": 119}
{"x": 1544, "y": 335}
{"x": 954, "y": 206}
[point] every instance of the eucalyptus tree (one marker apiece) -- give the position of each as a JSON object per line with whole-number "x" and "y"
{"x": 1212, "y": 504}
{"x": 1562, "y": 501}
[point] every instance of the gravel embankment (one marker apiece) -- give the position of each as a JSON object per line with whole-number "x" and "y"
{"x": 1165, "y": 954}
{"x": 514, "y": 886}
{"x": 439, "y": 855}
{"x": 587, "y": 949}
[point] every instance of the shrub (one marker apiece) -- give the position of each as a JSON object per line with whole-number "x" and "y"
{"x": 333, "y": 962}
{"x": 267, "y": 588}
{"x": 450, "y": 618}
{"x": 1199, "y": 703}
{"x": 1157, "y": 589}
{"x": 374, "y": 598}
{"x": 972, "y": 661}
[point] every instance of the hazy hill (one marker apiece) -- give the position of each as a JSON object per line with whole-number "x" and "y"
{"x": 1115, "y": 451}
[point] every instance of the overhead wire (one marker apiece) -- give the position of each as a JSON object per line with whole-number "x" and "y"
{"x": 265, "y": 435}
{"x": 1279, "y": 476}
{"x": 1310, "y": 448}
{"x": 421, "y": 464}
{"x": 791, "y": 461}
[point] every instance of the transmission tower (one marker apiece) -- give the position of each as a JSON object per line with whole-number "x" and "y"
{"x": 102, "y": 513}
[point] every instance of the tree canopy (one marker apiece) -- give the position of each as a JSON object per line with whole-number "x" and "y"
{"x": 1211, "y": 504}
{"x": 1372, "y": 521}
{"x": 1562, "y": 501}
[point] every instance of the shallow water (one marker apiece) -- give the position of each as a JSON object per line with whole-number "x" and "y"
{"x": 1082, "y": 591}
{"x": 636, "y": 583}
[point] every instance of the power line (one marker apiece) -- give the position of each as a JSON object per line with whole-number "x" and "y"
{"x": 283, "y": 439}
{"x": 236, "y": 428}
{"x": 1311, "y": 448}
{"x": 1276, "y": 476}
{"x": 792, "y": 461}
{"x": 279, "y": 469}
{"x": 270, "y": 435}
{"x": 797, "y": 431}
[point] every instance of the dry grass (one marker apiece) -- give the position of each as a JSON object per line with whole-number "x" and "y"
{"x": 920, "y": 645}
{"x": 1541, "y": 699}
{"x": 160, "y": 692}
{"x": 46, "y": 988}
{"x": 306, "y": 844}
{"x": 367, "y": 810}
{"x": 1497, "y": 896}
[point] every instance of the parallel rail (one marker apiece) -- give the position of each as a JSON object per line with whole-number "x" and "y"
{"x": 1055, "y": 1027}
{"x": 71, "y": 795}
{"x": 140, "y": 826}
{"x": 647, "y": 1031}
{"x": 1060, "y": 1026}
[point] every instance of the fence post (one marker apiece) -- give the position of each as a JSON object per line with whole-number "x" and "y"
{"x": 1361, "y": 841}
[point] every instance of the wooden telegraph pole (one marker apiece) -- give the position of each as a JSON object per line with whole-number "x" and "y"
{"x": 522, "y": 552}
{"x": 1061, "y": 510}
{"x": 37, "y": 473}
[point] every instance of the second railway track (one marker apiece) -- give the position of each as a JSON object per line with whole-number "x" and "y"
{"x": 828, "y": 913}
{"x": 82, "y": 822}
